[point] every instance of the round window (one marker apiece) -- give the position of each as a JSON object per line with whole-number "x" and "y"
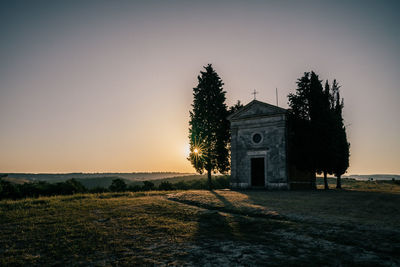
{"x": 257, "y": 138}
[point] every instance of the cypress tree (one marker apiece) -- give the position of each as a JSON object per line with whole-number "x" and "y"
{"x": 341, "y": 148}
{"x": 312, "y": 126}
{"x": 321, "y": 127}
{"x": 300, "y": 141}
{"x": 208, "y": 126}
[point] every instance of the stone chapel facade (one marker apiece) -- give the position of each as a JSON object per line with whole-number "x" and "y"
{"x": 259, "y": 149}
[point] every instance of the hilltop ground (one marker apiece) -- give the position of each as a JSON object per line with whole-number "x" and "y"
{"x": 359, "y": 225}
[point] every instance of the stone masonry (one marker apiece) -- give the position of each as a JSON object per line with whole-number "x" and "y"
{"x": 259, "y": 147}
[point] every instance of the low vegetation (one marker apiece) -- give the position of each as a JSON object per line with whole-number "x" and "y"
{"x": 382, "y": 186}
{"x": 355, "y": 226}
{"x": 13, "y": 190}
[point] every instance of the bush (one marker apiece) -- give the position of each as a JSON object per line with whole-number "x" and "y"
{"x": 99, "y": 189}
{"x": 68, "y": 187}
{"x": 135, "y": 188}
{"x": 118, "y": 185}
{"x": 221, "y": 182}
{"x": 166, "y": 186}
{"x": 147, "y": 186}
{"x": 76, "y": 186}
{"x": 34, "y": 189}
{"x": 181, "y": 185}
{"x": 9, "y": 190}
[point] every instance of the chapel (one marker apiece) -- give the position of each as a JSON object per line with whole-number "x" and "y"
{"x": 259, "y": 150}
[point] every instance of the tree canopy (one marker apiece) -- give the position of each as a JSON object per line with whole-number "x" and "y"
{"x": 318, "y": 141}
{"x": 208, "y": 126}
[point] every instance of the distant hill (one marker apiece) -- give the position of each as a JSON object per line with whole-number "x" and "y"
{"x": 373, "y": 176}
{"x": 16, "y": 180}
{"x": 60, "y": 177}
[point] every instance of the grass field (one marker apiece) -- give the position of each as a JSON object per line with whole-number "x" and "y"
{"x": 356, "y": 226}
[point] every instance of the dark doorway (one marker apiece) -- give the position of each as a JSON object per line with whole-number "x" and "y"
{"x": 257, "y": 172}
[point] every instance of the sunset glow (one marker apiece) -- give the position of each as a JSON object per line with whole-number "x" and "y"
{"x": 104, "y": 86}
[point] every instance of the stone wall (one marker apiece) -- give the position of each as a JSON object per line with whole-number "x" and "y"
{"x": 272, "y": 148}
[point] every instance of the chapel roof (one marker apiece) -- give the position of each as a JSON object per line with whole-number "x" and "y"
{"x": 256, "y": 109}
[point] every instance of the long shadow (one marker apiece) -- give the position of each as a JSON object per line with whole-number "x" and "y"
{"x": 265, "y": 231}
{"x": 238, "y": 225}
{"x": 227, "y": 204}
{"x": 212, "y": 224}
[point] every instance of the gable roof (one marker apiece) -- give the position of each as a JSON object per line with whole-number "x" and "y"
{"x": 256, "y": 109}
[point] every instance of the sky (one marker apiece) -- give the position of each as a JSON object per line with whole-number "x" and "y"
{"x": 106, "y": 86}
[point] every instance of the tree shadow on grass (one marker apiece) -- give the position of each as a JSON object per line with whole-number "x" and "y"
{"x": 221, "y": 226}
{"x": 213, "y": 224}
{"x": 230, "y": 223}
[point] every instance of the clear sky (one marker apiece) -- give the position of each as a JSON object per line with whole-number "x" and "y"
{"x": 104, "y": 86}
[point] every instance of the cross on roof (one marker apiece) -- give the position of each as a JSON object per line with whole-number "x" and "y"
{"x": 254, "y": 93}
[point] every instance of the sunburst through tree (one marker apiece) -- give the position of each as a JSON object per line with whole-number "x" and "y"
{"x": 209, "y": 127}
{"x": 197, "y": 153}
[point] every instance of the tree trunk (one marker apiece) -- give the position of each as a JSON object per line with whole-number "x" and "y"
{"x": 209, "y": 179}
{"x": 326, "y": 181}
{"x": 338, "y": 182}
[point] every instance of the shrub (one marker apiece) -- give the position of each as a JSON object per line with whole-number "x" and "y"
{"x": 197, "y": 184}
{"x": 76, "y": 186}
{"x": 31, "y": 189}
{"x": 9, "y": 190}
{"x": 99, "y": 189}
{"x": 221, "y": 182}
{"x": 118, "y": 185}
{"x": 134, "y": 188}
{"x": 147, "y": 186}
{"x": 166, "y": 186}
{"x": 181, "y": 185}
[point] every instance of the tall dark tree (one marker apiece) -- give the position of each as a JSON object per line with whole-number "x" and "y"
{"x": 341, "y": 147}
{"x": 311, "y": 123}
{"x": 208, "y": 126}
{"x": 300, "y": 140}
{"x": 321, "y": 120}
{"x": 323, "y": 129}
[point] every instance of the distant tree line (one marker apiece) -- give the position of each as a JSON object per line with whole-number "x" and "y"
{"x": 317, "y": 134}
{"x": 10, "y": 190}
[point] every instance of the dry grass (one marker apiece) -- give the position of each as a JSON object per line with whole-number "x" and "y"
{"x": 96, "y": 229}
{"x": 383, "y": 186}
{"x": 201, "y": 227}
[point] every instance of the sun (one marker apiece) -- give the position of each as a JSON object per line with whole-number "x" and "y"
{"x": 196, "y": 150}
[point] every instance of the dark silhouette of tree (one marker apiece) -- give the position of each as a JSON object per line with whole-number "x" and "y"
{"x": 209, "y": 127}
{"x": 341, "y": 147}
{"x": 9, "y": 190}
{"x": 76, "y": 186}
{"x": 166, "y": 186}
{"x": 299, "y": 126}
{"x": 118, "y": 185}
{"x": 317, "y": 136}
{"x": 235, "y": 107}
{"x": 322, "y": 121}
{"x": 147, "y": 186}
